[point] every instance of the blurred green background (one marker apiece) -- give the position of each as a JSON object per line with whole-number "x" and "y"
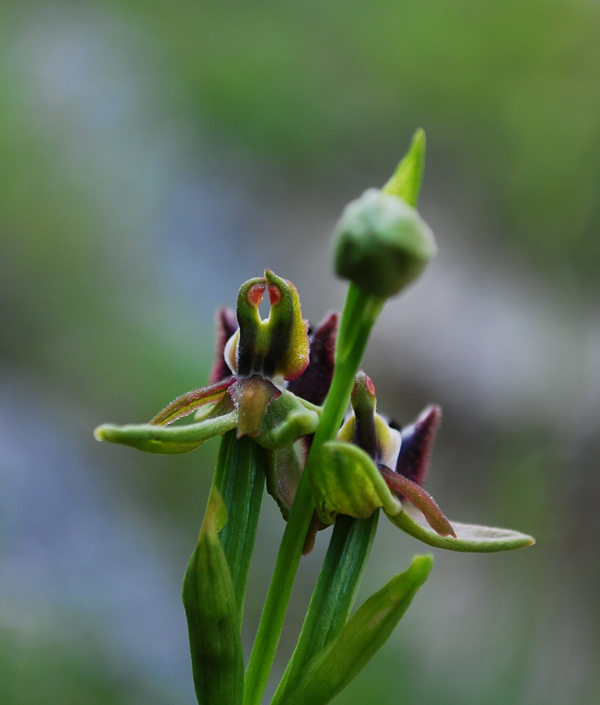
{"x": 154, "y": 155}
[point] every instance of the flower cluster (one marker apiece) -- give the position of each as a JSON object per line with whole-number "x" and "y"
{"x": 269, "y": 381}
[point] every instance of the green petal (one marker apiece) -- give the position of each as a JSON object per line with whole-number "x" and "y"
{"x": 342, "y": 659}
{"x": 190, "y": 401}
{"x": 345, "y": 481}
{"x": 213, "y": 621}
{"x": 167, "y": 439}
{"x": 470, "y": 538}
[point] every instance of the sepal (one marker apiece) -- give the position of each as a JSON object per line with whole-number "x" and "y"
{"x": 313, "y": 384}
{"x": 470, "y": 538}
{"x": 345, "y": 480}
{"x": 169, "y": 439}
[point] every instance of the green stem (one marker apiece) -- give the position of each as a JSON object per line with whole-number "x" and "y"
{"x": 240, "y": 479}
{"x": 358, "y": 317}
{"x": 334, "y": 594}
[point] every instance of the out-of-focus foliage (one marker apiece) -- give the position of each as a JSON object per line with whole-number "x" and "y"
{"x": 508, "y": 90}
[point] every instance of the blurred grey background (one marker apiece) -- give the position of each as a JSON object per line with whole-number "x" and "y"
{"x": 153, "y": 156}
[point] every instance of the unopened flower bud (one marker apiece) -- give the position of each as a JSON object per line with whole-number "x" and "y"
{"x": 382, "y": 243}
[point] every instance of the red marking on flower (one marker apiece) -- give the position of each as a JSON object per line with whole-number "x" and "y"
{"x": 255, "y": 294}
{"x": 274, "y": 294}
{"x": 370, "y": 385}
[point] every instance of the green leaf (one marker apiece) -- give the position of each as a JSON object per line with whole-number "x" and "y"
{"x": 335, "y": 592}
{"x": 470, "y": 538}
{"x": 213, "y": 621}
{"x": 406, "y": 180}
{"x": 345, "y": 480}
{"x": 240, "y": 479}
{"x": 167, "y": 439}
{"x": 343, "y": 658}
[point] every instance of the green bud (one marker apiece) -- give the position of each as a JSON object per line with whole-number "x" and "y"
{"x": 382, "y": 243}
{"x": 213, "y": 621}
{"x": 345, "y": 480}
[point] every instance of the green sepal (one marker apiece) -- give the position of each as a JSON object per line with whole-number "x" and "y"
{"x": 168, "y": 439}
{"x": 470, "y": 538}
{"x": 283, "y": 477}
{"x": 330, "y": 671}
{"x": 287, "y": 419}
{"x": 345, "y": 480}
{"x": 213, "y": 621}
{"x": 406, "y": 180}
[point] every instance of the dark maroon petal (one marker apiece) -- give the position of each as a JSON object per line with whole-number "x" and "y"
{"x": 420, "y": 499}
{"x": 315, "y": 526}
{"x": 226, "y": 327}
{"x": 313, "y": 384}
{"x": 417, "y": 441}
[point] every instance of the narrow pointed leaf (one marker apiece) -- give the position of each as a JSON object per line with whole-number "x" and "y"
{"x": 406, "y": 180}
{"x": 345, "y": 656}
{"x": 213, "y": 621}
{"x": 189, "y": 402}
{"x": 167, "y": 439}
{"x": 240, "y": 479}
{"x": 335, "y": 591}
{"x": 345, "y": 481}
{"x": 470, "y": 538}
